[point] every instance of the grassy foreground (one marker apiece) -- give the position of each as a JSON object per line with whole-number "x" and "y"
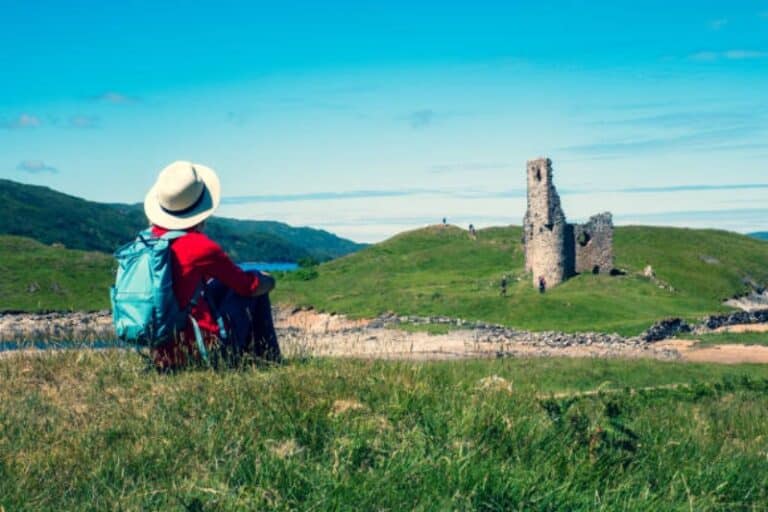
{"x": 93, "y": 431}
{"x": 442, "y": 271}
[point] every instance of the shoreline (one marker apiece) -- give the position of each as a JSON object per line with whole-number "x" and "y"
{"x": 309, "y": 333}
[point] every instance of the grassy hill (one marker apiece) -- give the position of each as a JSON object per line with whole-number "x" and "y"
{"x": 34, "y": 277}
{"x": 52, "y": 217}
{"x": 441, "y": 271}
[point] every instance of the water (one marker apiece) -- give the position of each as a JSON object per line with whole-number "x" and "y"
{"x": 269, "y": 267}
{"x": 10, "y": 346}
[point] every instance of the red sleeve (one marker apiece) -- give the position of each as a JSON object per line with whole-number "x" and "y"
{"x": 214, "y": 262}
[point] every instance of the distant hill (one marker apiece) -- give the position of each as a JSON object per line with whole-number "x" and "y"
{"x": 441, "y": 271}
{"x": 50, "y": 217}
{"x": 761, "y": 235}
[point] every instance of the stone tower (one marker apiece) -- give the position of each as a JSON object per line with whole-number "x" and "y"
{"x": 545, "y": 230}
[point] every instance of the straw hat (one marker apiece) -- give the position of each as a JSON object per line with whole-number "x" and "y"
{"x": 184, "y": 195}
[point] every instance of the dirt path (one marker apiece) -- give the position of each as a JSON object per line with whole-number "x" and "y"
{"x": 397, "y": 344}
{"x": 744, "y": 328}
{"x": 724, "y": 354}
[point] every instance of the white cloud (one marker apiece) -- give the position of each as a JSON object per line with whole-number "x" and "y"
{"x": 81, "y": 121}
{"x": 421, "y": 118}
{"x": 35, "y": 167}
{"x": 718, "y": 24}
{"x": 115, "y": 98}
{"x": 22, "y": 121}
{"x": 745, "y": 54}
{"x": 710, "y": 56}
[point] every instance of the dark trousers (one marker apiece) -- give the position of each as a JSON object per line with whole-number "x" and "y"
{"x": 248, "y": 320}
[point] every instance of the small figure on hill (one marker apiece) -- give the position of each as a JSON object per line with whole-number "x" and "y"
{"x": 472, "y": 231}
{"x": 542, "y": 284}
{"x": 445, "y": 221}
{"x": 503, "y": 284}
{"x": 228, "y": 309}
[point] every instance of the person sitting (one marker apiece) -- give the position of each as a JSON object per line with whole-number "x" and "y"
{"x": 234, "y": 312}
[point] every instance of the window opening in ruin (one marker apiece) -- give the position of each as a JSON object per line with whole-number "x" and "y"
{"x": 549, "y": 226}
{"x": 596, "y": 269}
{"x": 583, "y": 238}
{"x": 538, "y": 174}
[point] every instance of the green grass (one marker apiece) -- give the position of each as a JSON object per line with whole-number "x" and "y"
{"x": 729, "y": 338}
{"x": 35, "y": 277}
{"x": 93, "y": 431}
{"x": 441, "y": 271}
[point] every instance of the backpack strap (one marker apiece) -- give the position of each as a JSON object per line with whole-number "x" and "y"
{"x": 195, "y": 327}
{"x": 219, "y": 320}
{"x": 173, "y": 235}
{"x": 199, "y": 340}
{"x": 170, "y": 236}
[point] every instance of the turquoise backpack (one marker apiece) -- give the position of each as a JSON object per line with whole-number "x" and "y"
{"x": 144, "y": 308}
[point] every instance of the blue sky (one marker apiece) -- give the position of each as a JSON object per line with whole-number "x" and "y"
{"x": 368, "y": 118}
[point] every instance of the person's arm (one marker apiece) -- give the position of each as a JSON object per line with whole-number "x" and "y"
{"x": 215, "y": 263}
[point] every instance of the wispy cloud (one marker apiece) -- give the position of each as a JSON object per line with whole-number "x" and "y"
{"x": 36, "y": 167}
{"x": 83, "y": 122}
{"x": 681, "y": 119}
{"x": 736, "y": 147}
{"x": 305, "y": 103}
{"x": 713, "y": 56}
{"x": 740, "y": 220}
{"x": 697, "y": 139}
{"x": 115, "y": 98}
{"x": 718, "y": 24}
{"x": 20, "y": 122}
{"x": 469, "y": 167}
{"x": 694, "y": 188}
{"x": 324, "y": 196}
{"x": 420, "y": 118}
{"x": 237, "y": 118}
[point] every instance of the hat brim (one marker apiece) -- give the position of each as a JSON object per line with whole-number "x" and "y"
{"x": 204, "y": 209}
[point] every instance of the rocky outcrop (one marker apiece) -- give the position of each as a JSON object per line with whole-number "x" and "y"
{"x": 56, "y": 326}
{"x": 737, "y": 318}
{"x": 754, "y": 301}
{"x": 664, "y": 329}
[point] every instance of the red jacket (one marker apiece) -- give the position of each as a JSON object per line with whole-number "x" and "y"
{"x": 195, "y": 258}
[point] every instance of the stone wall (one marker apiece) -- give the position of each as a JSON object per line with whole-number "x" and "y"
{"x": 593, "y": 244}
{"x": 544, "y": 226}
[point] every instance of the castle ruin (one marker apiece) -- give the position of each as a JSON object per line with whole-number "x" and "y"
{"x": 554, "y": 249}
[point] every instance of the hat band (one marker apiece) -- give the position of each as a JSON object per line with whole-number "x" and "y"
{"x": 188, "y": 208}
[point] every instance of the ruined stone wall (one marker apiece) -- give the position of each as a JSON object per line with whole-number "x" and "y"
{"x": 593, "y": 244}
{"x": 544, "y": 226}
